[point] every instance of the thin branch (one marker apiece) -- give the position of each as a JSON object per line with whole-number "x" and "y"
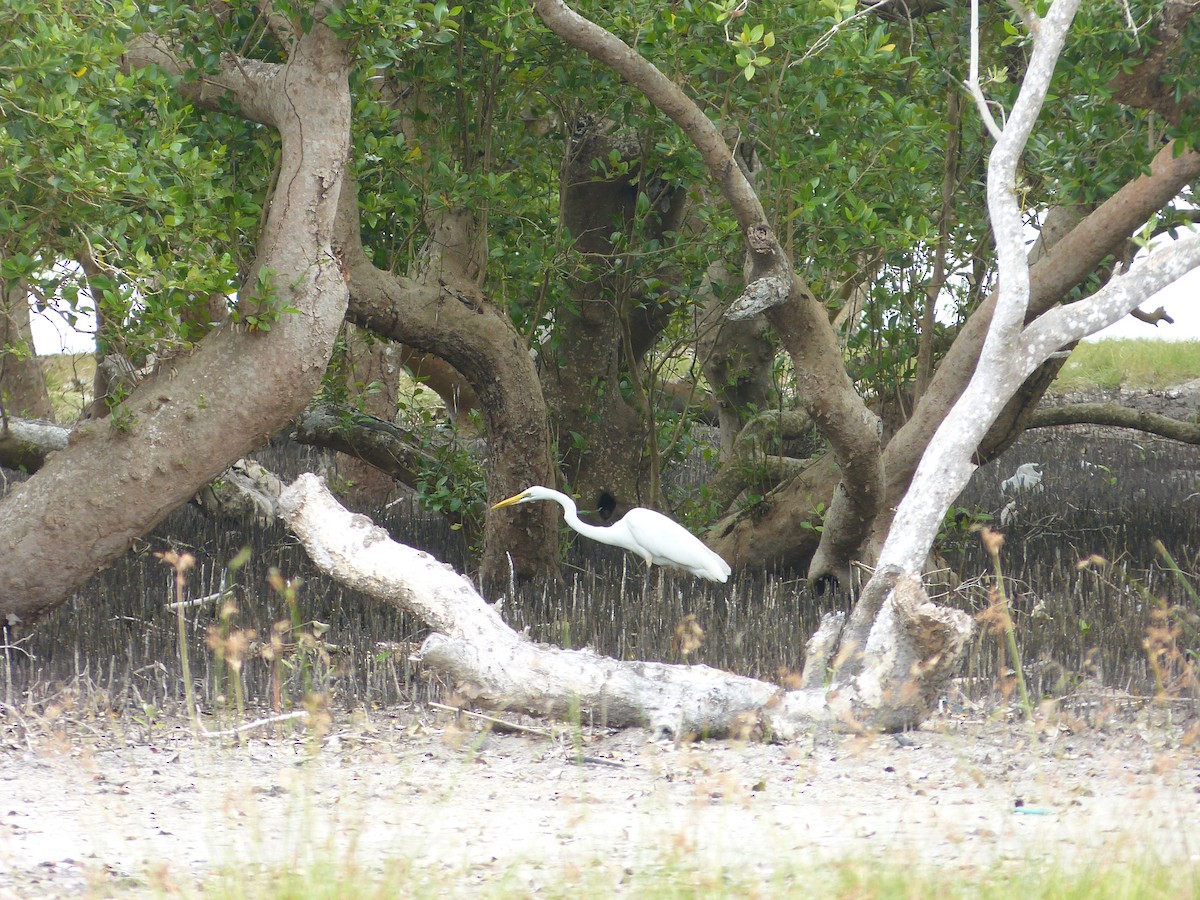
{"x": 198, "y": 601}
{"x": 1152, "y": 318}
{"x": 972, "y": 82}
{"x": 496, "y": 723}
{"x": 257, "y": 723}
{"x": 942, "y": 249}
{"x": 827, "y": 38}
{"x": 375, "y": 441}
{"x": 1004, "y": 209}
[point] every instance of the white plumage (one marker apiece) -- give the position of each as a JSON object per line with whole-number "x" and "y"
{"x": 1028, "y": 477}
{"x": 649, "y": 534}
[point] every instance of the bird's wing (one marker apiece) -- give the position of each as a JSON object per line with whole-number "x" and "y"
{"x": 670, "y": 544}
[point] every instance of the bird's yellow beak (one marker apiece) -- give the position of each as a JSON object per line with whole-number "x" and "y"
{"x": 516, "y": 498}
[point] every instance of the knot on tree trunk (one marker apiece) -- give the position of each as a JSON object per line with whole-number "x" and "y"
{"x": 761, "y": 241}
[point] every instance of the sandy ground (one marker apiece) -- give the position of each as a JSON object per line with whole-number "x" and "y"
{"x": 107, "y": 807}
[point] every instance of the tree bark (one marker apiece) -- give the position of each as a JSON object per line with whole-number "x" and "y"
{"x": 454, "y": 321}
{"x": 176, "y": 431}
{"x": 783, "y": 528}
{"x": 771, "y": 287}
{"x": 22, "y": 386}
{"x": 754, "y": 463}
{"x": 906, "y": 668}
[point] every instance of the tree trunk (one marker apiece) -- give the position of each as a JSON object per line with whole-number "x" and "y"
{"x": 603, "y": 438}
{"x": 854, "y": 433}
{"x": 22, "y": 386}
{"x": 737, "y": 359}
{"x": 178, "y": 430}
{"x": 452, "y": 320}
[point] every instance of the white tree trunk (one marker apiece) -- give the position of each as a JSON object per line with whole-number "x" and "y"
{"x": 1012, "y": 350}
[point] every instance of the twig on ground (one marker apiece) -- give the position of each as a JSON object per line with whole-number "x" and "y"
{"x": 492, "y": 720}
{"x": 229, "y": 732}
{"x": 197, "y": 601}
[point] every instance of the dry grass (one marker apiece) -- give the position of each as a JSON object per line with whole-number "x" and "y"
{"x": 677, "y": 875}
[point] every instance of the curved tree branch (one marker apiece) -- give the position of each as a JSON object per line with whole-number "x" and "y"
{"x": 1117, "y": 416}
{"x": 250, "y": 84}
{"x": 825, "y": 388}
{"x": 364, "y": 437}
{"x": 453, "y": 321}
{"x": 180, "y": 428}
{"x": 445, "y": 317}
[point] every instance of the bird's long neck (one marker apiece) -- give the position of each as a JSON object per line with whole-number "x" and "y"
{"x": 601, "y": 533}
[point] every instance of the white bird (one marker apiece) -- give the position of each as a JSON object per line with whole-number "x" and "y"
{"x": 648, "y": 534}
{"x": 1028, "y": 477}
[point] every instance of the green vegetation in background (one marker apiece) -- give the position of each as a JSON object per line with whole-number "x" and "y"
{"x": 69, "y": 379}
{"x": 1130, "y": 363}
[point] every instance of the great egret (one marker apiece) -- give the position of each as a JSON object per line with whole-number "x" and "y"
{"x": 649, "y": 534}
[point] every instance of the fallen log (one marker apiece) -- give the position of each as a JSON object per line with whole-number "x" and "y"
{"x": 906, "y": 662}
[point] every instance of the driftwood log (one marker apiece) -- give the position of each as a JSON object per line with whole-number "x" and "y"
{"x": 909, "y": 654}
